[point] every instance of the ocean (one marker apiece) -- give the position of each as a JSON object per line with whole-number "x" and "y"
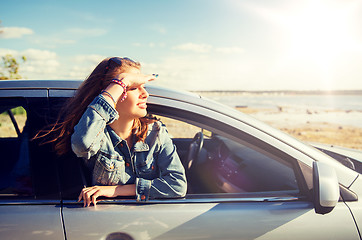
{"x": 344, "y": 110}
{"x": 322, "y": 102}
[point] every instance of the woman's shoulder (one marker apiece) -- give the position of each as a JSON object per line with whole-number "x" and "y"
{"x": 157, "y": 126}
{"x": 157, "y": 130}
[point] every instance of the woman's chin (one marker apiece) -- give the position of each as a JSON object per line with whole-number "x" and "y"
{"x": 142, "y": 113}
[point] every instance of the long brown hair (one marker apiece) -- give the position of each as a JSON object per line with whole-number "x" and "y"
{"x": 73, "y": 110}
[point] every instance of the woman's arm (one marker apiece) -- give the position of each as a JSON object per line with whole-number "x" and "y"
{"x": 172, "y": 180}
{"x": 89, "y": 131}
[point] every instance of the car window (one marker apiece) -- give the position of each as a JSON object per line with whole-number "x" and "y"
{"x": 178, "y": 129}
{"x": 15, "y": 177}
{"x": 12, "y": 122}
{"x": 223, "y": 165}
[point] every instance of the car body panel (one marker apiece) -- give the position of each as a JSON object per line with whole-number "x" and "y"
{"x": 30, "y": 221}
{"x": 351, "y": 158}
{"x": 235, "y": 220}
{"x": 352, "y": 153}
{"x": 356, "y": 207}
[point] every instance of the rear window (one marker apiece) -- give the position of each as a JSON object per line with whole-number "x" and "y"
{"x": 15, "y": 177}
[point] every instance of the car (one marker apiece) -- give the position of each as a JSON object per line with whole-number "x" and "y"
{"x": 246, "y": 180}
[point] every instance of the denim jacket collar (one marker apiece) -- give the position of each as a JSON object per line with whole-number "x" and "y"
{"x": 137, "y": 147}
{"x": 114, "y": 137}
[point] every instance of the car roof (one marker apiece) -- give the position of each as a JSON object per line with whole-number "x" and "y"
{"x": 74, "y": 84}
{"x": 153, "y": 90}
{"x": 40, "y": 84}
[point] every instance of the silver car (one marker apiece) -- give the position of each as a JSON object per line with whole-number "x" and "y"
{"x": 246, "y": 180}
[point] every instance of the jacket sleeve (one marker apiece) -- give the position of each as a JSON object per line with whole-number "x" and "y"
{"x": 171, "y": 182}
{"x": 89, "y": 131}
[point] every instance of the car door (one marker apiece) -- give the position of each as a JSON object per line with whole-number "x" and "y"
{"x": 29, "y": 195}
{"x": 240, "y": 187}
{"x": 246, "y": 218}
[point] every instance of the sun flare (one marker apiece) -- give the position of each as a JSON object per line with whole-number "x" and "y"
{"x": 316, "y": 35}
{"x": 320, "y": 31}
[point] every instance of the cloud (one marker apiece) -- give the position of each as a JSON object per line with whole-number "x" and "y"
{"x": 158, "y": 28}
{"x": 53, "y": 41}
{"x": 90, "y": 17}
{"x": 193, "y": 47}
{"x": 90, "y": 58}
{"x": 39, "y": 64}
{"x": 137, "y": 44}
{"x": 86, "y": 32}
{"x": 79, "y": 72}
{"x": 228, "y": 50}
{"x": 207, "y": 48}
{"x": 150, "y": 44}
{"x": 4, "y": 51}
{"x": 197, "y": 72}
{"x": 82, "y": 65}
{"x": 14, "y": 32}
{"x": 38, "y": 55}
{"x": 67, "y": 37}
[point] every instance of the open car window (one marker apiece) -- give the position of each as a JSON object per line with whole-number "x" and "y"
{"x": 225, "y": 166}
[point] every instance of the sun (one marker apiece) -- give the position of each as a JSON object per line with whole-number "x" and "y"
{"x": 321, "y": 31}
{"x": 316, "y": 34}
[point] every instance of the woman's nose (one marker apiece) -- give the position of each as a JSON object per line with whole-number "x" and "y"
{"x": 144, "y": 93}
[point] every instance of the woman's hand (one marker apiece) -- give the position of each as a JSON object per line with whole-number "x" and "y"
{"x": 90, "y": 194}
{"x": 135, "y": 79}
{"x": 131, "y": 80}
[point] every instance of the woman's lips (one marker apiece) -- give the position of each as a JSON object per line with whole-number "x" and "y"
{"x": 142, "y": 105}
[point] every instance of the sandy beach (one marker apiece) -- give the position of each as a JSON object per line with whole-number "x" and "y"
{"x": 328, "y": 127}
{"x": 333, "y": 118}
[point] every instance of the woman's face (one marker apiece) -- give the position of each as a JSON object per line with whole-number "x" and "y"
{"x": 134, "y": 106}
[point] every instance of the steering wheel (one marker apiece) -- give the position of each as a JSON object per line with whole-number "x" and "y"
{"x": 194, "y": 150}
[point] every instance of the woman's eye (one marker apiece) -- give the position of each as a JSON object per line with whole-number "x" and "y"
{"x": 132, "y": 89}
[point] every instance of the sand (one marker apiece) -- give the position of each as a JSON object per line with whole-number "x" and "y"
{"x": 328, "y": 127}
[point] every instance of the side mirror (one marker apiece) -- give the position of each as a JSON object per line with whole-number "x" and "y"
{"x": 325, "y": 188}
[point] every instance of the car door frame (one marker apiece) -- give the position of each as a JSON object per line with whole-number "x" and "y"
{"x": 38, "y": 216}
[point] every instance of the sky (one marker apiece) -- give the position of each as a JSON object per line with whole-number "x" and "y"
{"x": 192, "y": 44}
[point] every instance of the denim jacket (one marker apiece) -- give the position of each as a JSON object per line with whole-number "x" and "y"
{"x": 154, "y": 165}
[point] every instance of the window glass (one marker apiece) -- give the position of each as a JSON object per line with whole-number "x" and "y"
{"x": 222, "y": 165}
{"x": 235, "y": 168}
{"x": 15, "y": 179}
{"x": 178, "y": 129}
{"x": 7, "y": 127}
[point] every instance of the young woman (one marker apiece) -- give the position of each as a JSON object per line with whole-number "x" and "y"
{"x": 105, "y": 124}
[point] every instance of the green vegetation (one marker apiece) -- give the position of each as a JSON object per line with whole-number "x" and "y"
{"x": 16, "y": 111}
{"x": 9, "y": 67}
